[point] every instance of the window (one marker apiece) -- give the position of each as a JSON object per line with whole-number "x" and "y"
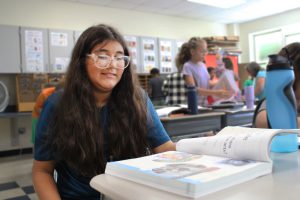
{"x": 265, "y": 44}
{"x": 292, "y": 38}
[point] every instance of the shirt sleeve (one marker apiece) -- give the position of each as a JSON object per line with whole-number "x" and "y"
{"x": 157, "y": 135}
{"x": 42, "y": 152}
{"x": 261, "y": 74}
{"x": 187, "y": 70}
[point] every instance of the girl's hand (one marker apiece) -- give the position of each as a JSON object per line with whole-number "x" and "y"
{"x": 224, "y": 94}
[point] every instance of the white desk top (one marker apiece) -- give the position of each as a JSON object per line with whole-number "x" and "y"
{"x": 283, "y": 183}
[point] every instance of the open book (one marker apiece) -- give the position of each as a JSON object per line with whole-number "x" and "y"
{"x": 203, "y": 165}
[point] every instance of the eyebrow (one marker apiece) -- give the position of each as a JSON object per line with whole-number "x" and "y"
{"x": 106, "y": 51}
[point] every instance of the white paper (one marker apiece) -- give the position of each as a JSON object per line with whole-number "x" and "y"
{"x": 59, "y": 39}
{"x": 34, "y": 55}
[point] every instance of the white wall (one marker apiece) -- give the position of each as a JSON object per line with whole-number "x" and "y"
{"x": 287, "y": 20}
{"x": 75, "y": 16}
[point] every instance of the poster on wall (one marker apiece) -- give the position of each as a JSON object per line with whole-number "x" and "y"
{"x": 34, "y": 51}
{"x": 149, "y": 54}
{"x": 133, "y": 47}
{"x": 61, "y": 64}
{"x": 166, "y": 58}
{"x": 59, "y": 39}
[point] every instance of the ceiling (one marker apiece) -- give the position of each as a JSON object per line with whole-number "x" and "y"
{"x": 252, "y": 9}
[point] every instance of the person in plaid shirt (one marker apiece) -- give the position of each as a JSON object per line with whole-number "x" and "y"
{"x": 174, "y": 88}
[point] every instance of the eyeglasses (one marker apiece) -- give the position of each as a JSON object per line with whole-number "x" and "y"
{"x": 103, "y": 61}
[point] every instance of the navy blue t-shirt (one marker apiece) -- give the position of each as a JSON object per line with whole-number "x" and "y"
{"x": 70, "y": 184}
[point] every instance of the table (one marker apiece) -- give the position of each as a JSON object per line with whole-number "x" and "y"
{"x": 283, "y": 183}
{"x": 192, "y": 125}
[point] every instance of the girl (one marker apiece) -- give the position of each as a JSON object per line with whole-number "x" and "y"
{"x": 102, "y": 115}
{"x": 191, "y": 57}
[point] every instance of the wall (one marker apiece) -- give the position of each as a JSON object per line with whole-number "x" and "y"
{"x": 290, "y": 18}
{"x": 75, "y": 16}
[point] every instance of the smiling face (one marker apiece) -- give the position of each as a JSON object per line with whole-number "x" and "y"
{"x": 104, "y": 80}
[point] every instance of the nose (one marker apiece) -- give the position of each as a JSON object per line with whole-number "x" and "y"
{"x": 113, "y": 63}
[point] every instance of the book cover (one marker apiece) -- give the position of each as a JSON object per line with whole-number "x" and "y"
{"x": 188, "y": 174}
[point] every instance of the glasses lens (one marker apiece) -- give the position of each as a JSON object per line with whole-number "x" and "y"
{"x": 103, "y": 61}
{"x": 121, "y": 62}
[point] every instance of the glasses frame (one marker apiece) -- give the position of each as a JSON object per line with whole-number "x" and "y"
{"x": 95, "y": 57}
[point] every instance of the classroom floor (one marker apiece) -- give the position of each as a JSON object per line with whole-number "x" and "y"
{"x": 15, "y": 178}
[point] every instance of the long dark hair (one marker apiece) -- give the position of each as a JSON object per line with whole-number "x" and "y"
{"x": 292, "y": 52}
{"x": 77, "y": 134}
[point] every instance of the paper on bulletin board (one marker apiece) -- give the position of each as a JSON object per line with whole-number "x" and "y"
{"x": 59, "y": 39}
{"x": 34, "y": 54}
{"x": 165, "y": 47}
{"x": 132, "y": 46}
{"x": 61, "y": 64}
{"x": 148, "y": 46}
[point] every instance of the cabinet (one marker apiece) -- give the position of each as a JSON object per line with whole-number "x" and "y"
{"x": 76, "y": 35}
{"x": 149, "y": 54}
{"x": 61, "y": 43}
{"x": 166, "y": 55}
{"x": 10, "y": 58}
{"x": 34, "y": 50}
{"x": 15, "y": 131}
{"x": 133, "y": 44}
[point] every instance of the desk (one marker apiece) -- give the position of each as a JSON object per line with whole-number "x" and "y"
{"x": 192, "y": 125}
{"x": 237, "y": 118}
{"x": 283, "y": 183}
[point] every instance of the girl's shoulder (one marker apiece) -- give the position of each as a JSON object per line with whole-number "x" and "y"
{"x": 54, "y": 98}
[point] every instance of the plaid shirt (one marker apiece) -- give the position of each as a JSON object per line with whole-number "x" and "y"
{"x": 174, "y": 89}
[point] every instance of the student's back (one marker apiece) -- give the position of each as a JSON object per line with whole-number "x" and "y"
{"x": 155, "y": 87}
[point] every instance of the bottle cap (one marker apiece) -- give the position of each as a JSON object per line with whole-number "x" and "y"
{"x": 277, "y": 62}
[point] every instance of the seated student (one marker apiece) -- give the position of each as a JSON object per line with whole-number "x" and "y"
{"x": 174, "y": 88}
{"x": 101, "y": 115}
{"x": 293, "y": 50}
{"x": 155, "y": 87}
{"x": 258, "y": 74}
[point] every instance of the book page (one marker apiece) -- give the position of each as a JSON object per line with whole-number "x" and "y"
{"x": 164, "y": 112}
{"x": 234, "y": 142}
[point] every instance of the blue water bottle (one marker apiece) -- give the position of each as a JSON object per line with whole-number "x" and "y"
{"x": 192, "y": 98}
{"x": 281, "y": 102}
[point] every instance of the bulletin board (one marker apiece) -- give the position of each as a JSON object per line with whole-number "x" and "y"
{"x": 29, "y": 86}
